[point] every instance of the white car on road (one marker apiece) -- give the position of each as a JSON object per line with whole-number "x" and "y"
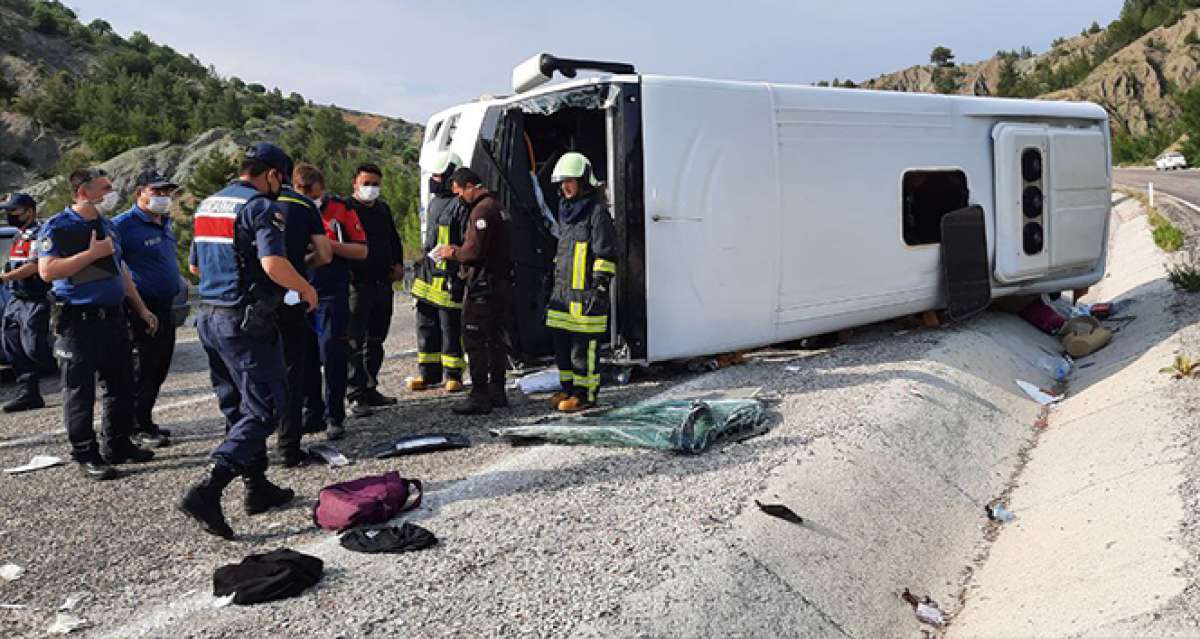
{"x": 1170, "y": 161}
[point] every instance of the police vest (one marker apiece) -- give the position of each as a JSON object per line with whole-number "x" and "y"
{"x": 23, "y": 252}
{"x": 224, "y": 248}
{"x": 437, "y": 282}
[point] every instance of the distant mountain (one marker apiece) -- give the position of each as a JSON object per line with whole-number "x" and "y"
{"x": 1135, "y": 68}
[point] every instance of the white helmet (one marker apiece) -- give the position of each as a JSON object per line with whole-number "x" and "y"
{"x": 574, "y": 165}
{"x": 443, "y": 161}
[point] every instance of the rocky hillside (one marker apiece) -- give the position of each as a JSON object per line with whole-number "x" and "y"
{"x": 55, "y": 114}
{"x": 1135, "y": 81}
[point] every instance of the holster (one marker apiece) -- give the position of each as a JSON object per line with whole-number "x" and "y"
{"x": 259, "y": 315}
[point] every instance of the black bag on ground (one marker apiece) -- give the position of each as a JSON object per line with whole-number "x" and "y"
{"x": 404, "y": 538}
{"x": 279, "y": 574}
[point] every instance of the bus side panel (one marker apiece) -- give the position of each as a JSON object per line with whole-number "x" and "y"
{"x": 711, "y": 217}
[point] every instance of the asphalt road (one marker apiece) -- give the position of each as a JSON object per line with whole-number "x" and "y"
{"x": 1182, "y": 184}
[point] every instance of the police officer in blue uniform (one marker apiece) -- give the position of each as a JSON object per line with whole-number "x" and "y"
{"x": 26, "y": 322}
{"x": 241, "y": 255}
{"x": 307, "y": 248}
{"x": 78, "y": 252}
{"x": 148, "y": 245}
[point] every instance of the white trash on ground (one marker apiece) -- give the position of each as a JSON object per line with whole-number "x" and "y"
{"x": 11, "y": 572}
{"x": 1038, "y": 395}
{"x": 541, "y": 382}
{"x": 65, "y": 623}
{"x": 38, "y": 462}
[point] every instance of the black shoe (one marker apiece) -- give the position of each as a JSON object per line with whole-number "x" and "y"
{"x": 262, "y": 495}
{"x": 26, "y": 401}
{"x": 473, "y": 405}
{"x": 97, "y": 470}
{"x": 376, "y": 399}
{"x": 498, "y": 396}
{"x": 297, "y": 459}
{"x": 202, "y": 502}
{"x": 335, "y": 432}
{"x": 129, "y": 454}
{"x": 311, "y": 428}
{"x": 359, "y": 408}
{"x": 150, "y": 439}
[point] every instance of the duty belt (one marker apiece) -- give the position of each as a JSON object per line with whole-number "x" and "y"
{"x": 92, "y": 312}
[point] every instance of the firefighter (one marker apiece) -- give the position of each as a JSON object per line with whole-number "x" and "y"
{"x": 585, "y": 266}
{"x": 26, "y": 336}
{"x": 437, "y": 287}
{"x": 486, "y": 259}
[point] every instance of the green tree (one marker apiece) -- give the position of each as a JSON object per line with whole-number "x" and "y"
{"x": 942, "y": 56}
{"x": 1006, "y": 84}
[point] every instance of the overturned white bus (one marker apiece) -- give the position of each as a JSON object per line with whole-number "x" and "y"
{"x": 752, "y": 213}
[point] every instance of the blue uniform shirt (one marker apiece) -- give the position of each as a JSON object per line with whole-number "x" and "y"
{"x": 149, "y": 250}
{"x": 235, "y": 218}
{"x": 302, "y": 220}
{"x": 107, "y": 291}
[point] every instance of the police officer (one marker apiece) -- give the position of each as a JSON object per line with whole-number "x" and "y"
{"x": 148, "y": 245}
{"x": 26, "y": 322}
{"x": 437, "y": 287}
{"x": 79, "y": 253}
{"x": 486, "y": 259}
{"x": 244, "y": 271}
{"x": 329, "y": 348}
{"x": 307, "y": 248}
{"x": 584, "y": 268}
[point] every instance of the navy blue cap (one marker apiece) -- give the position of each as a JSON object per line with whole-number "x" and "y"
{"x": 17, "y": 201}
{"x": 154, "y": 179}
{"x": 270, "y": 155}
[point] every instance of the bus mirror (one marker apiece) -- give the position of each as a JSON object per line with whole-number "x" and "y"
{"x": 529, "y": 74}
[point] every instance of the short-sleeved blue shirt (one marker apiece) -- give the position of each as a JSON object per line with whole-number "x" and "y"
{"x": 107, "y": 291}
{"x": 149, "y": 250}
{"x": 236, "y": 218}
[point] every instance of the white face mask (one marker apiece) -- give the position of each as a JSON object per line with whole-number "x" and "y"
{"x": 159, "y": 204}
{"x": 108, "y": 203}
{"x": 368, "y": 193}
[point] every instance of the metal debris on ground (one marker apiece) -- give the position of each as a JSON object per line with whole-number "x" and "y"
{"x": 72, "y": 601}
{"x": 330, "y": 455}
{"x": 1042, "y": 396}
{"x": 686, "y": 426}
{"x": 780, "y": 511}
{"x": 66, "y": 623}
{"x": 13, "y": 607}
{"x": 38, "y": 462}
{"x": 11, "y": 572}
{"x": 996, "y": 511}
{"x": 927, "y": 610}
{"x": 417, "y": 444}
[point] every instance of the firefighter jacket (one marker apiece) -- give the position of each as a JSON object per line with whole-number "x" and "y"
{"x": 585, "y": 262}
{"x": 437, "y": 282}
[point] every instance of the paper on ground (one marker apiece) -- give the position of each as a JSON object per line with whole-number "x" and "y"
{"x": 11, "y": 572}
{"x": 37, "y": 463}
{"x": 1037, "y": 394}
{"x": 65, "y": 623}
{"x": 543, "y": 382}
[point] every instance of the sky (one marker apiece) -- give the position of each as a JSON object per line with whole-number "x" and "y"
{"x": 407, "y": 59}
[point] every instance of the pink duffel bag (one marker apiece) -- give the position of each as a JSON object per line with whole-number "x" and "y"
{"x": 368, "y": 500}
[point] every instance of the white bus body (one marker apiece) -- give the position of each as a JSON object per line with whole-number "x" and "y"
{"x": 756, "y": 213}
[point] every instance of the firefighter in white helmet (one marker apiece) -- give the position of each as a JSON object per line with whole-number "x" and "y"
{"x": 585, "y": 266}
{"x": 437, "y": 287}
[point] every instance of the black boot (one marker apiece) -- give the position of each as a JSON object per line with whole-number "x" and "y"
{"x": 498, "y": 395}
{"x": 262, "y": 495}
{"x": 202, "y": 501}
{"x": 474, "y": 404}
{"x": 29, "y": 399}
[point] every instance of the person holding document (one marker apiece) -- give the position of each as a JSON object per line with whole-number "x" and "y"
{"x": 79, "y": 254}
